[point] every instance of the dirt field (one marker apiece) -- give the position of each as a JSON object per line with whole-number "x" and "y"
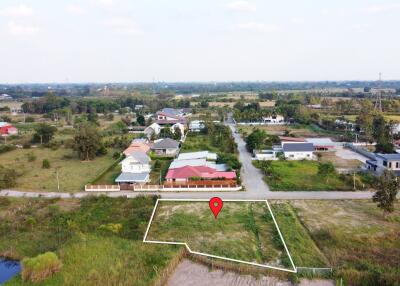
{"x": 193, "y": 274}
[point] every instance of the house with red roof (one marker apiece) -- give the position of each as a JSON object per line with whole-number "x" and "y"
{"x": 7, "y": 129}
{"x": 189, "y": 173}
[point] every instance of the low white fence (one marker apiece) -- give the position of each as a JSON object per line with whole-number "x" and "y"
{"x": 162, "y": 188}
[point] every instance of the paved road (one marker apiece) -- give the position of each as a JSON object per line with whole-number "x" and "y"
{"x": 252, "y": 179}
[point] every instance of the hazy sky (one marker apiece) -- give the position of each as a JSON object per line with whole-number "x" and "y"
{"x": 203, "y": 40}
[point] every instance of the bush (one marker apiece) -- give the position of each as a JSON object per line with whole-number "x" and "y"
{"x": 116, "y": 155}
{"x": 31, "y": 157}
{"x": 8, "y": 177}
{"x": 41, "y": 267}
{"x": 30, "y": 119}
{"x": 26, "y": 145}
{"x": 6, "y": 148}
{"x": 45, "y": 164}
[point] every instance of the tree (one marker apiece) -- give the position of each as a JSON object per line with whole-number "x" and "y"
{"x": 44, "y": 133}
{"x": 177, "y": 133}
{"x": 166, "y": 133}
{"x": 256, "y": 139}
{"x": 326, "y": 169}
{"x": 387, "y": 186}
{"x": 140, "y": 120}
{"x": 87, "y": 141}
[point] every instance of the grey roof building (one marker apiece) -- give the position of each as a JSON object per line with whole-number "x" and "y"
{"x": 298, "y": 147}
{"x": 166, "y": 143}
{"x": 132, "y": 178}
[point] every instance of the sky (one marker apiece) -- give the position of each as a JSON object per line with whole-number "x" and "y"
{"x": 204, "y": 40}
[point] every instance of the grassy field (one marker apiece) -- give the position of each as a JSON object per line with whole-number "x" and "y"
{"x": 300, "y": 176}
{"x": 73, "y": 173}
{"x": 82, "y": 235}
{"x": 243, "y": 230}
{"x": 362, "y": 246}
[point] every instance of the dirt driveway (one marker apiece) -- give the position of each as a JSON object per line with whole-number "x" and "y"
{"x": 193, "y": 274}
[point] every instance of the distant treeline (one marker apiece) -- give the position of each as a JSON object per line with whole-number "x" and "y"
{"x": 39, "y": 90}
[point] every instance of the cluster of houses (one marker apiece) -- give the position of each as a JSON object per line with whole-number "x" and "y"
{"x": 186, "y": 167}
{"x": 296, "y": 149}
{"x": 168, "y": 118}
{"x": 136, "y": 166}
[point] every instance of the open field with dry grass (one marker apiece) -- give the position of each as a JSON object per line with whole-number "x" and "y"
{"x": 73, "y": 174}
{"x": 243, "y": 230}
{"x": 362, "y": 246}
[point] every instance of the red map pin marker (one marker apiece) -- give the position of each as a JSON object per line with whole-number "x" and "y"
{"x": 216, "y": 205}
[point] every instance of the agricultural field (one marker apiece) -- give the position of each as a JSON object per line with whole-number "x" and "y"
{"x": 361, "y": 245}
{"x": 303, "y": 176}
{"x": 73, "y": 174}
{"x": 243, "y": 230}
{"x": 99, "y": 240}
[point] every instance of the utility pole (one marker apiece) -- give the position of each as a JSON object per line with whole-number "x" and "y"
{"x": 58, "y": 180}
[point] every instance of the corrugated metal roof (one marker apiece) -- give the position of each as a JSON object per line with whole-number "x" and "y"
{"x": 132, "y": 177}
{"x": 298, "y": 147}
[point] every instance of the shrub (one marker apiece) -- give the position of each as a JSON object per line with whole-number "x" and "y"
{"x": 116, "y": 155}
{"x": 45, "y": 164}
{"x": 4, "y": 202}
{"x": 26, "y": 145}
{"x": 6, "y": 148}
{"x": 8, "y": 177}
{"x": 31, "y": 157}
{"x": 30, "y": 119}
{"x": 41, "y": 267}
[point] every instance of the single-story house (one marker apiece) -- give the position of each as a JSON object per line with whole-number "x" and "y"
{"x": 136, "y": 146}
{"x": 384, "y": 162}
{"x": 196, "y": 163}
{"x": 198, "y": 155}
{"x": 189, "y": 173}
{"x": 166, "y": 147}
{"x": 170, "y": 116}
{"x": 196, "y": 125}
{"x": 269, "y": 154}
{"x": 322, "y": 144}
{"x": 298, "y": 151}
{"x": 274, "y": 119}
{"x": 7, "y": 129}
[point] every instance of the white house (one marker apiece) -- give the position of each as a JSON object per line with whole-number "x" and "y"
{"x": 196, "y": 125}
{"x": 298, "y": 151}
{"x": 267, "y": 155}
{"x": 274, "y": 119}
{"x": 135, "y": 169}
{"x": 384, "y": 162}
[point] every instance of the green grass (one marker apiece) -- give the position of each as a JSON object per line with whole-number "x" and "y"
{"x": 300, "y": 176}
{"x": 243, "y": 231}
{"x": 198, "y": 142}
{"x": 73, "y": 173}
{"x": 304, "y": 251}
{"x": 362, "y": 246}
{"x": 80, "y": 233}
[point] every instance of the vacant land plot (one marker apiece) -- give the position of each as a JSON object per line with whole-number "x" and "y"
{"x": 338, "y": 161}
{"x": 99, "y": 240}
{"x": 360, "y": 244}
{"x": 299, "y": 176}
{"x": 243, "y": 230}
{"x": 294, "y": 130}
{"x": 73, "y": 174}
